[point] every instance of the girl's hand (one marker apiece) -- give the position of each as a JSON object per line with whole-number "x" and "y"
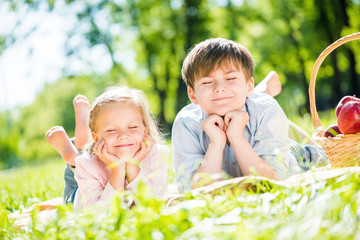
{"x": 235, "y": 122}
{"x": 145, "y": 147}
{"x": 100, "y": 149}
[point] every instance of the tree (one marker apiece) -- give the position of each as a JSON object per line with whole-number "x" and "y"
{"x": 146, "y": 42}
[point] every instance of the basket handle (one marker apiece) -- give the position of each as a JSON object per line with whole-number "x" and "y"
{"x": 315, "y": 117}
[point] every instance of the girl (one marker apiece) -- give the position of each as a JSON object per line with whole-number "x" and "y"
{"x": 122, "y": 150}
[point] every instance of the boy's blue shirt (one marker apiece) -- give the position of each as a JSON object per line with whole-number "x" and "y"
{"x": 266, "y": 131}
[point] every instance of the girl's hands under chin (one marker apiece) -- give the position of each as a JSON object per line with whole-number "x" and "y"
{"x": 145, "y": 147}
{"x": 100, "y": 149}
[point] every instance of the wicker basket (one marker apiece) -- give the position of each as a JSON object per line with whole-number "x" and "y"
{"x": 342, "y": 150}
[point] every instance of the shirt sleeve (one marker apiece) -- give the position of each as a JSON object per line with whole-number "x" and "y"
{"x": 271, "y": 136}
{"x": 153, "y": 171}
{"x": 187, "y": 153}
{"x": 93, "y": 186}
{"x": 133, "y": 184}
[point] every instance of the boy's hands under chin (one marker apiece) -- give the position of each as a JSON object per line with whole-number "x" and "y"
{"x": 213, "y": 126}
{"x": 235, "y": 122}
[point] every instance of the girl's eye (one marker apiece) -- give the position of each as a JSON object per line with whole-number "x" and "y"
{"x": 133, "y": 127}
{"x": 110, "y": 130}
{"x": 232, "y": 78}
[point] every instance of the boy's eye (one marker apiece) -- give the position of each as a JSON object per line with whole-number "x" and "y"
{"x": 231, "y": 78}
{"x": 208, "y": 82}
{"x": 110, "y": 130}
{"x": 133, "y": 127}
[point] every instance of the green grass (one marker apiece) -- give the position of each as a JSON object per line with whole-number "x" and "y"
{"x": 323, "y": 210}
{"x": 22, "y": 187}
{"x": 327, "y": 118}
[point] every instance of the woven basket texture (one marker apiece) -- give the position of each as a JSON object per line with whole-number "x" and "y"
{"x": 342, "y": 150}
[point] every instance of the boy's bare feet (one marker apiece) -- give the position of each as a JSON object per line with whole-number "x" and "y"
{"x": 82, "y": 130}
{"x": 270, "y": 85}
{"x": 60, "y": 141}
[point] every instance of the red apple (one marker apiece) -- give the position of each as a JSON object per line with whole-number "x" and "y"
{"x": 343, "y": 101}
{"x": 349, "y": 118}
{"x": 332, "y": 131}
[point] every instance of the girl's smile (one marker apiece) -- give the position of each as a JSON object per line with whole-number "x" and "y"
{"x": 124, "y": 145}
{"x": 121, "y": 126}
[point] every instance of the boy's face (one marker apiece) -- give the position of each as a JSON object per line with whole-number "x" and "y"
{"x": 224, "y": 90}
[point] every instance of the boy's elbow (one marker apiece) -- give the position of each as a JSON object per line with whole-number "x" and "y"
{"x": 274, "y": 176}
{"x": 203, "y": 179}
{"x": 196, "y": 181}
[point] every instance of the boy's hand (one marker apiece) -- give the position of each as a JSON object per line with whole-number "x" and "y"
{"x": 213, "y": 126}
{"x": 100, "y": 149}
{"x": 235, "y": 122}
{"x": 145, "y": 147}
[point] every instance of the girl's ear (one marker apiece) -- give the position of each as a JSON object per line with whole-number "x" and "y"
{"x": 146, "y": 130}
{"x": 94, "y": 136}
{"x": 250, "y": 86}
{"x": 191, "y": 93}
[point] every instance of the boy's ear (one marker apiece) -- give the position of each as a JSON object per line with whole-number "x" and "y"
{"x": 94, "y": 136}
{"x": 191, "y": 94}
{"x": 250, "y": 86}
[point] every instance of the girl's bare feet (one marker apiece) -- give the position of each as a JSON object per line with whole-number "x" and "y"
{"x": 82, "y": 130}
{"x": 270, "y": 85}
{"x": 60, "y": 141}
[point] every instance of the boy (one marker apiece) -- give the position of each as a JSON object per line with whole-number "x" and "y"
{"x": 227, "y": 127}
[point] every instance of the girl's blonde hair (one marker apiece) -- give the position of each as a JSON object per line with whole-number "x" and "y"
{"x": 124, "y": 95}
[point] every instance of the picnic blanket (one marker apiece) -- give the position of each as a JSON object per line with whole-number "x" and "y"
{"x": 252, "y": 183}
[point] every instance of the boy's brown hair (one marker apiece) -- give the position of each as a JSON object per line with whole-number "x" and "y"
{"x": 210, "y": 54}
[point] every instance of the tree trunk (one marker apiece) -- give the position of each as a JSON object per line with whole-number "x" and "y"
{"x": 301, "y": 61}
{"x": 324, "y": 21}
{"x": 354, "y": 84}
{"x": 191, "y": 20}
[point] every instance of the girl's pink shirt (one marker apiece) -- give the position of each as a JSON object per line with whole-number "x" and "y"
{"x": 92, "y": 176}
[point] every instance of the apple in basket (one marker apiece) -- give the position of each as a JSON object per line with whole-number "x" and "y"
{"x": 343, "y": 101}
{"x": 349, "y": 117}
{"x": 332, "y": 131}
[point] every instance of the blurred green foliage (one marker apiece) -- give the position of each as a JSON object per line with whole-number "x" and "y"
{"x": 9, "y": 138}
{"x": 283, "y": 35}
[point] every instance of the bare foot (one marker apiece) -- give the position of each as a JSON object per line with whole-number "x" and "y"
{"x": 60, "y": 141}
{"x": 82, "y": 130}
{"x": 270, "y": 85}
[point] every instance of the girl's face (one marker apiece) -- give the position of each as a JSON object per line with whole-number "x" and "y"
{"x": 121, "y": 126}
